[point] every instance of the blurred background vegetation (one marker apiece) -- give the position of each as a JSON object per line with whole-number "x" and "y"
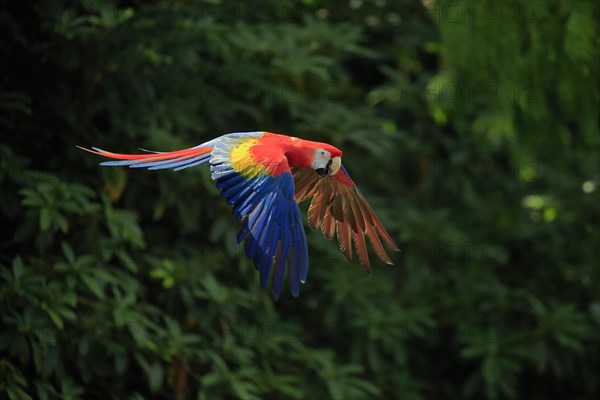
{"x": 472, "y": 128}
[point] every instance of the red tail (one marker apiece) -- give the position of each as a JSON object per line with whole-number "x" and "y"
{"x": 179, "y": 159}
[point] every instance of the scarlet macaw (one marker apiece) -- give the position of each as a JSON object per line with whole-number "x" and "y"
{"x": 263, "y": 176}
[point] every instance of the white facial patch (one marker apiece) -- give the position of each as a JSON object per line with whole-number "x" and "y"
{"x": 321, "y": 159}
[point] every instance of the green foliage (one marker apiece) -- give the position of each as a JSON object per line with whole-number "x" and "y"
{"x": 471, "y": 127}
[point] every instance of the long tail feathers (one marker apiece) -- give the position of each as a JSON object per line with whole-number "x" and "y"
{"x": 177, "y": 160}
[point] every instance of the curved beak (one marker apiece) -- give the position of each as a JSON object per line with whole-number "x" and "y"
{"x": 324, "y": 171}
{"x": 321, "y": 171}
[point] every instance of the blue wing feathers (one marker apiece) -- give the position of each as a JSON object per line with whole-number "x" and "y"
{"x": 235, "y": 193}
{"x": 293, "y": 264}
{"x": 265, "y": 268}
{"x": 231, "y": 182}
{"x": 280, "y": 259}
{"x": 271, "y": 223}
{"x": 266, "y": 241}
{"x": 303, "y": 272}
{"x": 243, "y": 232}
{"x": 245, "y": 205}
{"x": 258, "y": 228}
{"x": 272, "y": 240}
{"x": 263, "y": 241}
{"x": 251, "y": 246}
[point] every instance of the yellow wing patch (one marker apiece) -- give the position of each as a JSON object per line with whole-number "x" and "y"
{"x": 242, "y": 162}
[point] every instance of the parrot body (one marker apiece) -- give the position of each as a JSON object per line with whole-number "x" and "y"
{"x": 264, "y": 176}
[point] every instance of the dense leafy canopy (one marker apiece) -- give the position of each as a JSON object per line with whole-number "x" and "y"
{"x": 471, "y": 127}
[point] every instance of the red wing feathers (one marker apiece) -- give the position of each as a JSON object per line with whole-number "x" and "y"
{"x": 338, "y": 207}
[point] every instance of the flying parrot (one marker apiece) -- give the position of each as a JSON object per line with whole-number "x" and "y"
{"x": 264, "y": 176}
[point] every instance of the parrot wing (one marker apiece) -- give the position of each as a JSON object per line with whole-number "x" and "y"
{"x": 262, "y": 196}
{"x": 261, "y": 193}
{"x": 338, "y": 207}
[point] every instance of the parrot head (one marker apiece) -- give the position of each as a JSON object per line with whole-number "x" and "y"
{"x": 326, "y": 161}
